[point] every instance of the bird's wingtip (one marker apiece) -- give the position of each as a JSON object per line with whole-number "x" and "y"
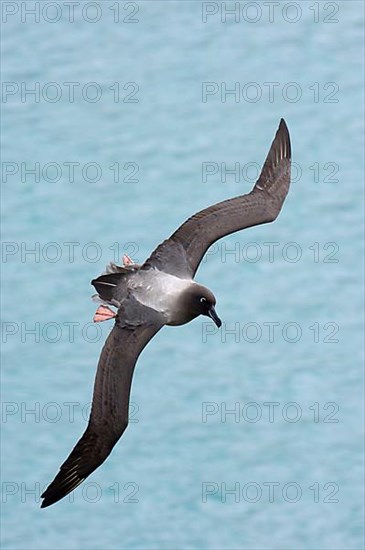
{"x": 47, "y": 501}
{"x": 283, "y": 125}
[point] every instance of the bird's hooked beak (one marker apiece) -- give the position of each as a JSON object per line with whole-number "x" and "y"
{"x": 213, "y": 315}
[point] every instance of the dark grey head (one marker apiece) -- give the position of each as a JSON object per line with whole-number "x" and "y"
{"x": 201, "y": 301}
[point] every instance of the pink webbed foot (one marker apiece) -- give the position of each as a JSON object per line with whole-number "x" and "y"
{"x": 103, "y": 313}
{"x": 127, "y": 260}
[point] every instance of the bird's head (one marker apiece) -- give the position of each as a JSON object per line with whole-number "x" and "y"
{"x": 201, "y": 301}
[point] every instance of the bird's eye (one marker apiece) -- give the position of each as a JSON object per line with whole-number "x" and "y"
{"x": 203, "y": 300}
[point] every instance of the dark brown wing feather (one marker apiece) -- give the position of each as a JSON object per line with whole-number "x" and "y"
{"x": 109, "y": 413}
{"x": 184, "y": 250}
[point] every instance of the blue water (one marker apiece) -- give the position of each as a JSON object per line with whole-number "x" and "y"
{"x": 296, "y": 466}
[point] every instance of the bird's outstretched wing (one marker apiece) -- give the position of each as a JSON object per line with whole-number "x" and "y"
{"x": 182, "y": 253}
{"x": 135, "y": 325}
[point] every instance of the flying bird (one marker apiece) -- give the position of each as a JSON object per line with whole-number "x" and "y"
{"x": 162, "y": 291}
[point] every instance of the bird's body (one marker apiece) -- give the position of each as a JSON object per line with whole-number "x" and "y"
{"x": 162, "y": 291}
{"x": 153, "y": 288}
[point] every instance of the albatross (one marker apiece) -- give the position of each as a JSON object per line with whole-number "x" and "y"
{"x": 161, "y": 291}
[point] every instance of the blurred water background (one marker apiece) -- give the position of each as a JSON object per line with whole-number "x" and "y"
{"x": 121, "y": 125}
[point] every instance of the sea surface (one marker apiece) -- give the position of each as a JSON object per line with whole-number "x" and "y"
{"x": 120, "y": 120}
